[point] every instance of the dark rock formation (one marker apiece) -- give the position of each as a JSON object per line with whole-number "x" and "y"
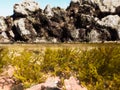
{"x": 82, "y": 21}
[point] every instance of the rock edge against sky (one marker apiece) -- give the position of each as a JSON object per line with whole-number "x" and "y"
{"x": 81, "y": 21}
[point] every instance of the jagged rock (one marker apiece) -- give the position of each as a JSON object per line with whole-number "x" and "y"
{"x": 74, "y": 32}
{"x": 3, "y": 25}
{"x": 6, "y": 83}
{"x": 4, "y": 38}
{"x": 48, "y": 11}
{"x": 118, "y": 10}
{"x": 59, "y": 15}
{"x": 72, "y": 84}
{"x": 6, "y": 29}
{"x": 9, "y": 32}
{"x": 82, "y": 35}
{"x": 9, "y": 22}
{"x": 72, "y": 9}
{"x": 94, "y": 36}
{"x": 8, "y": 71}
{"x": 108, "y": 5}
{"x": 111, "y": 21}
{"x": 24, "y": 29}
{"x": 26, "y": 7}
{"x": 40, "y": 40}
{"x": 104, "y": 5}
{"x": 83, "y": 20}
{"x": 6, "y": 80}
{"x": 101, "y": 8}
{"x": 76, "y": 1}
{"x": 50, "y": 84}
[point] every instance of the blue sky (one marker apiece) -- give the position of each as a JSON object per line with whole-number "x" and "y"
{"x": 6, "y": 6}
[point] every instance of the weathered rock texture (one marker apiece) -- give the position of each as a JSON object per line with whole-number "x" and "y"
{"x": 81, "y": 21}
{"x": 72, "y": 84}
{"x": 52, "y": 83}
{"x": 7, "y": 82}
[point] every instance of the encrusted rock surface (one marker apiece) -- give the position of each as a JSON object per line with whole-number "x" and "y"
{"x": 81, "y": 21}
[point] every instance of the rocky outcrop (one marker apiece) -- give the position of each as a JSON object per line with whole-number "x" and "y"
{"x": 81, "y": 21}
{"x": 24, "y": 29}
{"x": 112, "y": 21}
{"x": 48, "y": 11}
{"x": 26, "y": 7}
{"x": 3, "y": 25}
{"x": 5, "y": 30}
{"x": 52, "y": 83}
{"x": 108, "y": 5}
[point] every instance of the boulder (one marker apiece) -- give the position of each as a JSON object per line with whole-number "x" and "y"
{"x": 82, "y": 35}
{"x": 4, "y": 38}
{"x": 9, "y": 22}
{"x": 83, "y": 20}
{"x": 48, "y": 11}
{"x": 72, "y": 84}
{"x": 9, "y": 31}
{"x": 59, "y": 14}
{"x": 24, "y": 29}
{"x": 26, "y": 7}
{"x": 112, "y": 21}
{"x": 94, "y": 36}
{"x": 7, "y": 82}
{"x": 104, "y": 5}
{"x": 73, "y": 8}
{"x": 50, "y": 84}
{"x": 6, "y": 34}
{"x": 108, "y": 5}
{"x": 3, "y": 25}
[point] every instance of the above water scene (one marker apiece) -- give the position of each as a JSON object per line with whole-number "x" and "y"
{"x": 66, "y": 45}
{"x": 81, "y": 21}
